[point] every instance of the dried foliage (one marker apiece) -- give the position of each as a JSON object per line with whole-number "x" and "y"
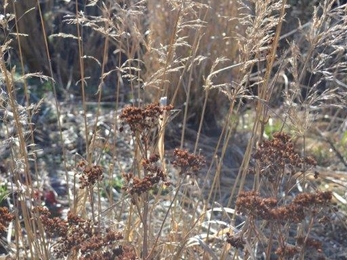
{"x": 90, "y": 174}
{"x": 251, "y": 204}
{"x": 282, "y": 208}
{"x": 142, "y": 121}
{"x": 79, "y": 235}
{"x": 277, "y": 158}
{"x": 189, "y": 163}
{"x": 5, "y": 218}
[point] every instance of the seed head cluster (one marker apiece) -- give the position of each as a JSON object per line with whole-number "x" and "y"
{"x": 278, "y": 154}
{"x": 5, "y": 218}
{"x": 90, "y": 174}
{"x": 154, "y": 176}
{"x": 189, "y": 163}
{"x": 250, "y": 203}
{"x": 143, "y": 120}
{"x": 79, "y": 235}
{"x": 309, "y": 242}
{"x": 276, "y": 159}
{"x": 289, "y": 251}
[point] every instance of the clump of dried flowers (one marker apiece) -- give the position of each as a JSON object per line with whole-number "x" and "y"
{"x": 277, "y": 157}
{"x": 5, "y": 218}
{"x": 250, "y": 203}
{"x": 78, "y": 235}
{"x": 277, "y": 163}
{"x": 188, "y": 163}
{"x": 154, "y": 175}
{"x": 142, "y": 121}
{"x": 90, "y": 174}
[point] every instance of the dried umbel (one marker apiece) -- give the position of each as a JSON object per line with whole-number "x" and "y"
{"x": 90, "y": 174}
{"x": 144, "y": 123}
{"x": 143, "y": 120}
{"x": 5, "y": 218}
{"x": 278, "y": 156}
{"x": 154, "y": 175}
{"x": 80, "y": 235}
{"x": 189, "y": 163}
{"x": 280, "y": 214}
{"x": 309, "y": 242}
{"x": 250, "y": 203}
{"x": 287, "y": 251}
{"x": 54, "y": 227}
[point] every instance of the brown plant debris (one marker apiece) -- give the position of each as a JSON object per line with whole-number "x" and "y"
{"x": 250, "y": 203}
{"x": 90, "y": 174}
{"x": 287, "y": 251}
{"x": 143, "y": 120}
{"x": 79, "y": 235}
{"x": 277, "y": 155}
{"x": 5, "y": 218}
{"x": 154, "y": 174}
{"x": 139, "y": 186}
{"x": 189, "y": 163}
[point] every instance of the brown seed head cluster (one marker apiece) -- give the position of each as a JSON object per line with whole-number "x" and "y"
{"x": 142, "y": 120}
{"x": 154, "y": 175}
{"x": 54, "y": 227}
{"x": 189, "y": 163}
{"x": 79, "y": 235}
{"x": 5, "y": 218}
{"x": 277, "y": 162}
{"x": 276, "y": 154}
{"x": 287, "y": 251}
{"x": 318, "y": 199}
{"x": 90, "y": 174}
{"x": 309, "y": 242}
{"x": 250, "y": 203}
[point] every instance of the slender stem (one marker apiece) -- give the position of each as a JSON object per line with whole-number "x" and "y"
{"x": 145, "y": 227}
{"x": 163, "y": 222}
